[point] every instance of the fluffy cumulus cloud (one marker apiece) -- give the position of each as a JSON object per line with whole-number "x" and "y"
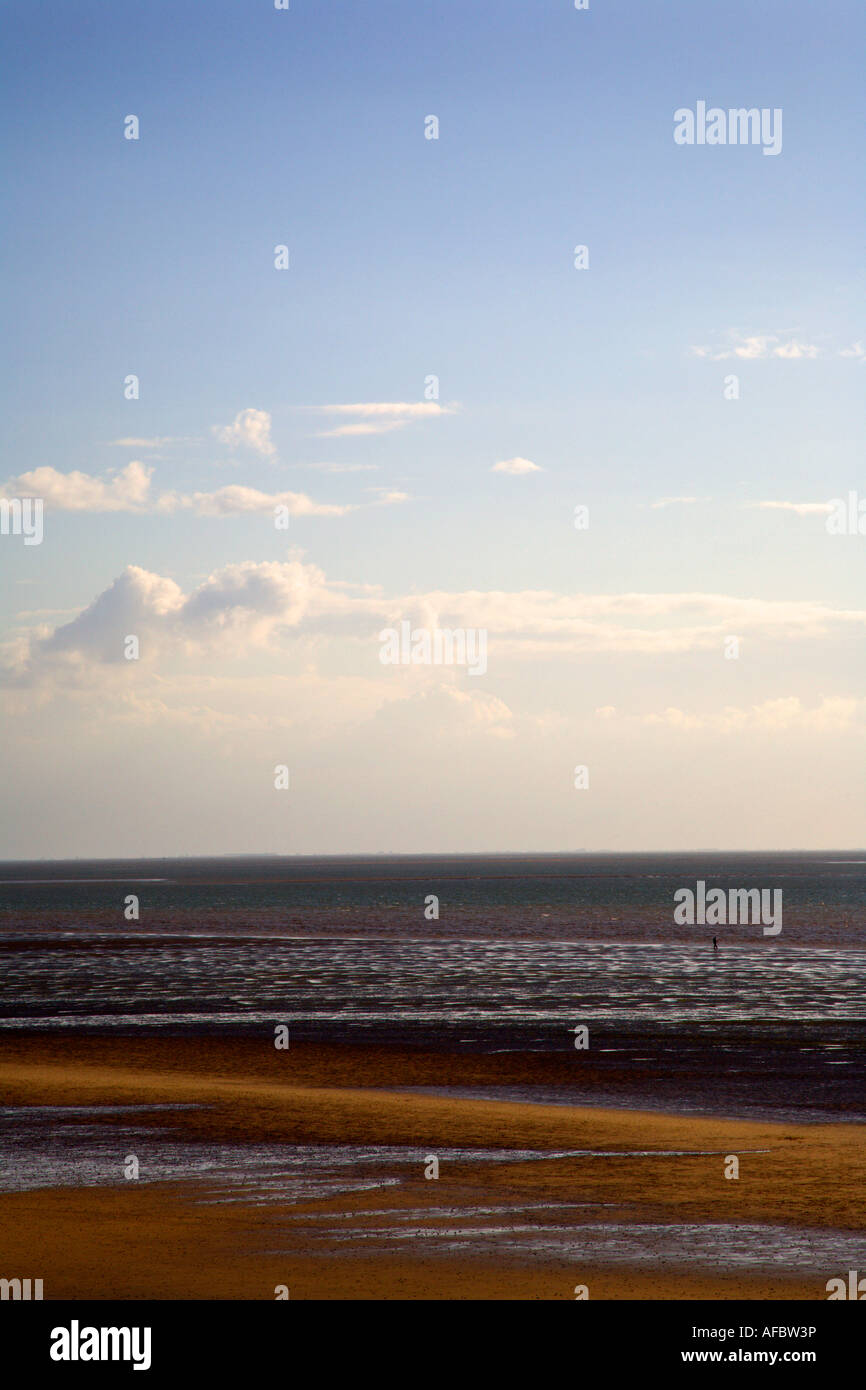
{"x": 249, "y": 599}
{"x": 133, "y": 604}
{"x": 121, "y": 490}
{"x": 269, "y": 604}
{"x": 250, "y": 429}
{"x": 236, "y": 608}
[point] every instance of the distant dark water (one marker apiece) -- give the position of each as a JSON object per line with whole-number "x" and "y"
{"x": 572, "y": 897}
{"x": 524, "y": 949}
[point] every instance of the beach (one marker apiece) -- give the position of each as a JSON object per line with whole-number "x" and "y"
{"x": 285, "y": 1079}
{"x": 558, "y": 1177}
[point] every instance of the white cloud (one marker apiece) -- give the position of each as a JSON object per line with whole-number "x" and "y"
{"x": 801, "y": 508}
{"x": 359, "y": 428}
{"x": 671, "y": 501}
{"x": 380, "y": 417}
{"x": 796, "y": 349}
{"x": 404, "y": 409}
{"x": 516, "y": 467}
{"x": 445, "y": 710}
{"x": 134, "y": 603}
{"x": 235, "y": 608}
{"x": 262, "y": 604}
{"x": 157, "y": 442}
{"x": 250, "y": 429}
{"x": 788, "y": 713}
{"x": 759, "y": 346}
{"x": 129, "y": 490}
{"x": 341, "y": 467}
{"x": 124, "y": 490}
{"x": 236, "y": 499}
{"x": 387, "y": 496}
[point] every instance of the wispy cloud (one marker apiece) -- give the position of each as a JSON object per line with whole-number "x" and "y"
{"x": 788, "y": 713}
{"x": 387, "y": 496}
{"x": 360, "y": 427}
{"x": 516, "y": 467}
{"x": 759, "y": 346}
{"x": 129, "y": 490}
{"x": 673, "y": 501}
{"x": 763, "y": 346}
{"x": 380, "y": 417}
{"x": 795, "y": 349}
{"x": 404, "y": 409}
{"x": 157, "y": 442}
{"x": 236, "y": 499}
{"x": 801, "y": 508}
{"x": 341, "y": 467}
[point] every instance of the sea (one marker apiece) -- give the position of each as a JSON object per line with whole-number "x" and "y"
{"x": 457, "y": 954}
{"x": 486, "y": 953}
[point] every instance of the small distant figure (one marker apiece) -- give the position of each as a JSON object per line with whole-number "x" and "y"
{"x": 715, "y": 943}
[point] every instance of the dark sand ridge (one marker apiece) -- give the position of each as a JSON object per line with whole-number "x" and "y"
{"x": 156, "y": 1241}
{"x": 434, "y": 1064}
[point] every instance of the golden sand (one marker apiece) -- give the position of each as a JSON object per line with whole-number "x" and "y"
{"x": 160, "y": 1240}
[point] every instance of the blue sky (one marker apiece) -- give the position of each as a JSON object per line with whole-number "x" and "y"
{"x": 452, "y": 257}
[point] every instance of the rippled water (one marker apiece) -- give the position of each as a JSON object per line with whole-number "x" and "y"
{"x": 523, "y": 950}
{"x": 374, "y": 981}
{"x": 73, "y": 1146}
{"x": 713, "y": 1247}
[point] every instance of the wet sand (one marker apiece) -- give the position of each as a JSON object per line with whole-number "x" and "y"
{"x": 167, "y": 1240}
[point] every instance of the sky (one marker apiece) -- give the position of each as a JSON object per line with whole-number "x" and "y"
{"x": 616, "y": 467}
